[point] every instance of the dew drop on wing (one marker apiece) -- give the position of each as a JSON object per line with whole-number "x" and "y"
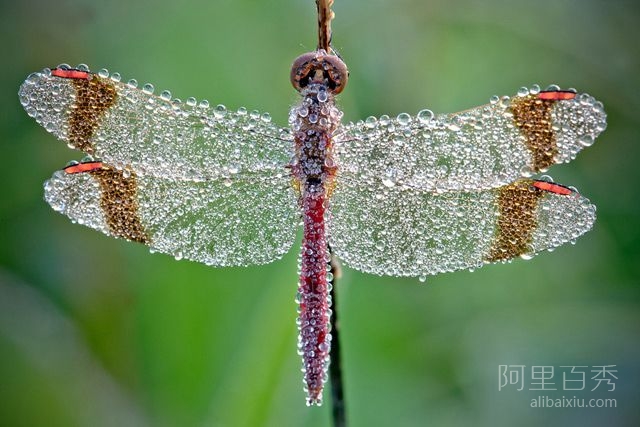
{"x": 403, "y": 119}
{"x": 425, "y": 116}
{"x": 586, "y": 140}
{"x": 370, "y": 122}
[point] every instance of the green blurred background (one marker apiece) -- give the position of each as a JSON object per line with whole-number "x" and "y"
{"x": 98, "y": 332}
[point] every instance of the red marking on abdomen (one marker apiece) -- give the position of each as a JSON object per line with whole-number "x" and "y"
{"x": 83, "y": 167}
{"x": 557, "y": 95}
{"x": 313, "y": 293}
{"x": 70, "y": 74}
{"x": 552, "y": 188}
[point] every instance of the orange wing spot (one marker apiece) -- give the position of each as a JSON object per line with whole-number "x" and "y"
{"x": 557, "y": 95}
{"x": 552, "y": 188}
{"x": 83, "y": 167}
{"x": 70, "y": 74}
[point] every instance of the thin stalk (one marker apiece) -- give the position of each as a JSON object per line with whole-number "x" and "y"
{"x": 325, "y": 15}
{"x": 335, "y": 367}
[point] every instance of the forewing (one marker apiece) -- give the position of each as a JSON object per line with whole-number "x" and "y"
{"x": 484, "y": 147}
{"x": 128, "y": 127}
{"x": 216, "y": 222}
{"x": 411, "y": 233}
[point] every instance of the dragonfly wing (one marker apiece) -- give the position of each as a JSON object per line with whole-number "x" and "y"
{"x": 417, "y": 233}
{"x": 127, "y": 127}
{"x": 484, "y": 147}
{"x": 219, "y": 223}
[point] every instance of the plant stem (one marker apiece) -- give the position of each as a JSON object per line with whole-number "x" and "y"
{"x": 335, "y": 367}
{"x": 325, "y": 15}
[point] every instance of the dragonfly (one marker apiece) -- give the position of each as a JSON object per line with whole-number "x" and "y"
{"x": 410, "y": 195}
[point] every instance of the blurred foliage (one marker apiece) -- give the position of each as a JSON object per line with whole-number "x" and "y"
{"x": 98, "y": 332}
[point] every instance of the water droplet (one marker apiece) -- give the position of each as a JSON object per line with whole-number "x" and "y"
{"x": 425, "y": 116}
{"x": 322, "y": 96}
{"x": 204, "y": 104}
{"x": 148, "y": 88}
{"x": 403, "y": 119}
{"x": 35, "y": 77}
{"x": 505, "y": 101}
{"x": 586, "y": 140}
{"x": 116, "y": 77}
{"x": 370, "y": 122}
{"x": 166, "y": 95}
{"x": 526, "y": 171}
{"x": 422, "y": 278}
{"x": 191, "y": 101}
{"x": 104, "y": 73}
{"x": 133, "y": 83}
{"x": 219, "y": 111}
{"x": 388, "y": 183}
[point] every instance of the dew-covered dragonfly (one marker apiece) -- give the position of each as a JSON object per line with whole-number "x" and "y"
{"x": 412, "y": 195}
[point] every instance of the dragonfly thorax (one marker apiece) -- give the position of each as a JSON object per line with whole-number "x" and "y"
{"x": 313, "y": 123}
{"x": 319, "y": 67}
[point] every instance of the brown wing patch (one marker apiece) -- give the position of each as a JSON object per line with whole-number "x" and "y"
{"x": 94, "y": 96}
{"x": 517, "y": 205}
{"x": 119, "y": 203}
{"x": 532, "y": 115}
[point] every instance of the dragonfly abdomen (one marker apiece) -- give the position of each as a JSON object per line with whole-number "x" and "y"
{"x": 314, "y": 341}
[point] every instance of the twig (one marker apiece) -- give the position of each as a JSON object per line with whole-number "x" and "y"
{"x": 325, "y": 15}
{"x": 335, "y": 367}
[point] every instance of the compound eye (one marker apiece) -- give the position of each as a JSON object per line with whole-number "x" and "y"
{"x": 319, "y": 67}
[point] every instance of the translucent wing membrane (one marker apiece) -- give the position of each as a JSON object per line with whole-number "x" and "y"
{"x": 410, "y": 233}
{"x": 484, "y": 147}
{"x": 154, "y": 135}
{"x": 216, "y": 222}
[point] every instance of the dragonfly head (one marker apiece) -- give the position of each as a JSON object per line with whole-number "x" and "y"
{"x": 319, "y": 67}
